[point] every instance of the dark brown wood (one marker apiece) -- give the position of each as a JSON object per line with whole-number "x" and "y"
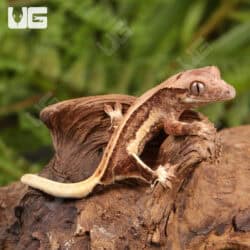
{"x": 207, "y": 208}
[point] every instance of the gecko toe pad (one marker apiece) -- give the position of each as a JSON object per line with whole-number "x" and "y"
{"x": 162, "y": 174}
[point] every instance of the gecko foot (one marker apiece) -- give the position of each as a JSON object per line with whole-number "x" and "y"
{"x": 164, "y": 175}
{"x": 202, "y": 130}
{"x": 115, "y": 114}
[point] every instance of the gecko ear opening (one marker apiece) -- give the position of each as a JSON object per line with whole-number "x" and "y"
{"x": 190, "y": 115}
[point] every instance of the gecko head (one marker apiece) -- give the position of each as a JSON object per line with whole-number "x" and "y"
{"x": 203, "y": 85}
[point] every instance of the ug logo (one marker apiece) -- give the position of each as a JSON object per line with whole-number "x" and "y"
{"x": 29, "y": 18}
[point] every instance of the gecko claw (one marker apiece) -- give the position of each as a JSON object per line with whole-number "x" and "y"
{"x": 118, "y": 108}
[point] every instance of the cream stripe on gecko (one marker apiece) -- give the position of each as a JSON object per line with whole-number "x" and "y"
{"x": 153, "y": 118}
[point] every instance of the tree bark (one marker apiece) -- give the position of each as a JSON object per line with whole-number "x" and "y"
{"x": 208, "y": 206}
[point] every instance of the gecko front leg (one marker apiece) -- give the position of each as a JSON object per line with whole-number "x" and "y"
{"x": 163, "y": 174}
{"x": 115, "y": 114}
{"x": 175, "y": 127}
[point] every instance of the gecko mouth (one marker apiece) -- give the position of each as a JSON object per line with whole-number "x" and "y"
{"x": 200, "y": 102}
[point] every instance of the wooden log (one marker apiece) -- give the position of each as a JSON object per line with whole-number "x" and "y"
{"x": 207, "y": 208}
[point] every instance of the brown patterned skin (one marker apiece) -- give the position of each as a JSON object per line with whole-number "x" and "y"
{"x": 158, "y": 108}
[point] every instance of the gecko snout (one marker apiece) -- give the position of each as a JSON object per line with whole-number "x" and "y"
{"x": 230, "y": 92}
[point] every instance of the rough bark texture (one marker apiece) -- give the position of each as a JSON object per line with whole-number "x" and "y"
{"x": 207, "y": 208}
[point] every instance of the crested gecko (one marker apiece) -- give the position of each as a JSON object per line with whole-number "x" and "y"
{"x": 159, "y": 107}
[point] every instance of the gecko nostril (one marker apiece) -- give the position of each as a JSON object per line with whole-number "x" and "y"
{"x": 230, "y": 93}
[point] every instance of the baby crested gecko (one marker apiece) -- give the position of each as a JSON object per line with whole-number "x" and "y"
{"x": 159, "y": 107}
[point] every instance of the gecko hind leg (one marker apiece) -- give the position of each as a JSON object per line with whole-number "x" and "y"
{"x": 115, "y": 114}
{"x": 163, "y": 174}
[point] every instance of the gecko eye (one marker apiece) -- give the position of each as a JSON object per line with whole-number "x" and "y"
{"x": 197, "y": 88}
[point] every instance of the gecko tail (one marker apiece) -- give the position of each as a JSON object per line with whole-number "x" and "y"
{"x": 63, "y": 190}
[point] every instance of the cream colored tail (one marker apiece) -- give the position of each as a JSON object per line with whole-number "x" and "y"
{"x": 64, "y": 190}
